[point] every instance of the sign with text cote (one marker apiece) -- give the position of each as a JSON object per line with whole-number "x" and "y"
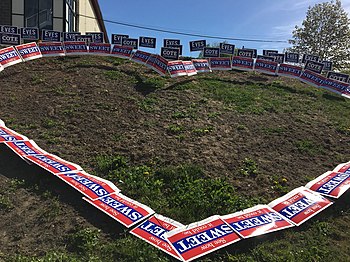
{"x": 148, "y": 42}
{"x": 197, "y": 45}
{"x": 245, "y": 53}
{"x": 83, "y": 38}
{"x": 10, "y": 39}
{"x": 316, "y": 67}
{"x": 338, "y": 76}
{"x": 131, "y": 42}
{"x": 211, "y": 52}
{"x": 170, "y": 53}
{"x": 279, "y": 58}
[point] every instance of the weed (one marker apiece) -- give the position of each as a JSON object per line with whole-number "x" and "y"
{"x": 84, "y": 240}
{"x": 279, "y": 184}
{"x": 202, "y": 131}
{"x": 154, "y": 82}
{"x": 49, "y": 123}
{"x": 308, "y": 147}
{"x": 175, "y": 129}
{"x": 5, "y": 203}
{"x": 106, "y": 164}
{"x": 249, "y": 168}
{"x": 36, "y": 79}
{"x": 214, "y": 114}
{"x": 147, "y": 104}
{"x": 114, "y": 75}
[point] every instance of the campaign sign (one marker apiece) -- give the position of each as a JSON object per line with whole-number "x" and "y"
{"x": 148, "y": 42}
{"x": 300, "y": 204}
{"x": 9, "y": 29}
{"x": 189, "y": 67}
{"x": 178, "y": 47}
{"x": 30, "y": 33}
{"x": 331, "y": 184}
{"x": 25, "y": 148}
{"x": 220, "y": 63}
{"x": 242, "y": 63}
{"x": 176, "y": 68}
{"x": 312, "y": 78}
{"x": 131, "y": 42}
{"x": 314, "y": 66}
{"x": 343, "y": 168}
{"x": 121, "y": 208}
{"x": 53, "y": 164}
{"x": 70, "y": 36}
{"x": 201, "y": 65}
{"x": 117, "y": 39}
{"x": 308, "y": 57}
{"x": 1, "y": 67}
{"x": 121, "y": 51}
{"x": 170, "y": 53}
{"x": 76, "y": 48}
{"x": 256, "y": 221}
{"x": 153, "y": 231}
{"x": 158, "y": 64}
{"x": 171, "y": 42}
{"x": 266, "y": 67}
{"x": 10, "y": 39}
{"x": 211, "y": 52}
{"x": 9, "y": 57}
{"x": 8, "y": 135}
{"x": 269, "y": 52}
{"x": 141, "y": 57}
{"x": 97, "y": 37}
{"x": 84, "y": 38}
{"x": 291, "y": 57}
{"x": 338, "y": 76}
{"x": 90, "y": 186}
{"x": 50, "y": 36}
{"x": 52, "y": 49}
{"x": 201, "y": 238}
{"x": 279, "y": 58}
{"x": 227, "y": 49}
{"x": 99, "y": 49}
{"x": 267, "y": 58}
{"x": 336, "y": 86}
{"x": 245, "y": 53}
{"x": 197, "y": 45}
{"x": 29, "y": 51}
{"x": 328, "y": 65}
{"x": 289, "y": 70}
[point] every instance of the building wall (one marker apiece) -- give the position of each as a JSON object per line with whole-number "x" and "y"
{"x": 58, "y": 15}
{"x": 5, "y": 12}
{"x": 87, "y": 24}
{"x": 18, "y": 13}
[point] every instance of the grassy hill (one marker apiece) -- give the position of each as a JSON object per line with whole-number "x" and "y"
{"x": 189, "y": 148}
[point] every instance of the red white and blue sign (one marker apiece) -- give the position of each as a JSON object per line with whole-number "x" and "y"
{"x": 51, "y": 36}
{"x": 189, "y": 67}
{"x": 153, "y": 231}
{"x": 197, "y": 45}
{"x": 158, "y": 64}
{"x": 312, "y": 78}
{"x": 201, "y": 238}
{"x": 10, "y": 39}
{"x": 176, "y": 68}
{"x": 25, "y": 148}
{"x": 243, "y": 63}
{"x": 30, "y": 33}
{"x": 90, "y": 186}
{"x": 52, "y": 49}
{"x": 29, "y": 51}
{"x": 336, "y": 86}
{"x": 300, "y": 205}
{"x": 99, "y": 49}
{"x": 266, "y": 67}
{"x": 76, "y": 48}
{"x": 220, "y": 63}
{"x": 343, "y": 168}
{"x": 121, "y": 208}
{"x": 9, "y": 57}
{"x": 141, "y": 57}
{"x": 331, "y": 184}
{"x": 121, "y": 51}
{"x": 201, "y": 65}
{"x": 8, "y": 135}
{"x": 289, "y": 70}
{"x": 256, "y": 221}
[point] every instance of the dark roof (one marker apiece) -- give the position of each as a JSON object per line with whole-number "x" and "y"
{"x": 99, "y": 18}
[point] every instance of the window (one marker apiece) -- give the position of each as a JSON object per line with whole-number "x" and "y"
{"x": 71, "y": 16}
{"x": 38, "y": 13}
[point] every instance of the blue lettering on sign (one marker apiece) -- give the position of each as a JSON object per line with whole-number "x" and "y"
{"x": 221, "y": 63}
{"x": 7, "y": 136}
{"x": 29, "y": 50}
{"x": 101, "y": 48}
{"x": 75, "y": 47}
{"x": 297, "y": 207}
{"x": 125, "y": 210}
{"x": 9, "y": 29}
{"x": 209, "y": 235}
{"x": 242, "y": 62}
{"x": 290, "y": 70}
{"x": 333, "y": 183}
{"x": 50, "y": 48}
{"x": 8, "y": 55}
{"x": 30, "y": 33}
{"x": 313, "y": 77}
{"x": 25, "y": 149}
{"x": 176, "y": 67}
{"x": 256, "y": 221}
{"x": 56, "y": 165}
{"x": 161, "y": 64}
{"x": 96, "y": 188}
{"x": 265, "y": 65}
{"x": 121, "y": 50}
{"x": 154, "y": 230}
{"x": 54, "y": 36}
{"x": 336, "y": 85}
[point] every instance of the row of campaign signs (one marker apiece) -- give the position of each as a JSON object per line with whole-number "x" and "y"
{"x": 186, "y": 242}
{"x": 310, "y": 73}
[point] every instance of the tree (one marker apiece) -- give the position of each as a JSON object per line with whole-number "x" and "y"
{"x": 325, "y": 32}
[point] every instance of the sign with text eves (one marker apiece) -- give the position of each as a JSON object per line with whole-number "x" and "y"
{"x": 176, "y": 68}
{"x": 76, "y": 48}
{"x": 242, "y": 63}
{"x": 122, "y": 208}
{"x": 269, "y": 52}
{"x": 153, "y": 231}
{"x": 209, "y": 52}
{"x": 10, "y": 39}
{"x": 9, "y": 56}
{"x": 201, "y": 238}
{"x": 201, "y": 65}
{"x": 197, "y": 45}
{"x": 99, "y": 49}
{"x": 50, "y": 36}
{"x": 220, "y": 63}
{"x": 48, "y": 49}
{"x": 121, "y": 51}
{"x": 300, "y": 204}
{"x": 289, "y": 70}
{"x": 189, "y": 67}
{"x": 267, "y": 58}
{"x": 25, "y": 148}
{"x": 331, "y": 184}
{"x": 170, "y": 53}
{"x": 256, "y": 221}
{"x": 158, "y": 64}
{"x": 116, "y": 39}
{"x": 141, "y": 57}
{"x": 97, "y": 37}
{"x": 8, "y": 135}
{"x": 70, "y": 36}
{"x": 308, "y": 57}
{"x": 171, "y": 42}
{"x": 266, "y": 67}
{"x": 29, "y": 33}
{"x": 312, "y": 78}
{"x": 148, "y": 42}
{"x": 29, "y": 51}
{"x": 227, "y": 49}
{"x": 291, "y": 57}
{"x": 9, "y": 29}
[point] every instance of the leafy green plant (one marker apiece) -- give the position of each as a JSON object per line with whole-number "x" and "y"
{"x": 249, "y": 168}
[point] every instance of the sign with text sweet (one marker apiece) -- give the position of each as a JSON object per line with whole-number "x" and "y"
{"x": 308, "y": 57}
{"x": 29, "y": 51}
{"x": 121, "y": 51}
{"x": 336, "y": 86}
{"x": 52, "y": 49}
{"x": 97, "y": 37}
{"x": 300, "y": 205}
{"x": 170, "y": 53}
{"x": 25, "y": 148}
{"x": 9, "y": 29}
{"x": 227, "y": 49}
{"x": 243, "y": 63}
{"x": 338, "y": 76}
{"x": 90, "y": 186}
{"x": 176, "y": 68}
{"x": 50, "y": 36}
{"x": 29, "y": 33}
{"x": 9, "y": 56}
{"x": 266, "y": 67}
{"x": 117, "y": 39}
{"x": 343, "y": 168}
{"x": 189, "y": 67}
{"x": 312, "y": 78}
{"x": 99, "y": 49}
{"x": 158, "y": 64}
{"x": 171, "y": 42}
{"x": 314, "y": 66}
{"x": 153, "y": 231}
{"x": 141, "y": 57}
{"x": 211, "y": 52}
{"x": 70, "y": 36}
{"x": 76, "y": 48}
{"x": 331, "y": 184}
{"x": 10, "y": 39}
{"x": 256, "y": 221}
{"x": 201, "y": 65}
{"x": 289, "y": 70}
{"x": 53, "y": 164}
{"x": 121, "y": 208}
{"x": 291, "y": 57}
{"x": 131, "y": 42}
{"x": 220, "y": 63}
{"x": 197, "y": 45}
{"x": 148, "y": 42}
{"x": 201, "y": 238}
{"x": 245, "y": 53}
{"x": 8, "y": 135}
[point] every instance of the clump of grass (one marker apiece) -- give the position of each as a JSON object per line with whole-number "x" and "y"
{"x": 249, "y": 168}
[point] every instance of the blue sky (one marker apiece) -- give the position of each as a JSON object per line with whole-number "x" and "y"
{"x": 252, "y": 19}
